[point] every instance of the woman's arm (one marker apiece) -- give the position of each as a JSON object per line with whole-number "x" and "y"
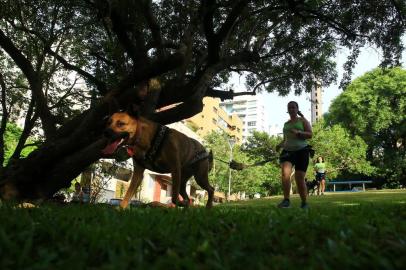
{"x": 307, "y": 133}
{"x": 280, "y": 145}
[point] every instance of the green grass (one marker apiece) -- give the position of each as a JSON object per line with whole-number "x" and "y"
{"x": 341, "y": 231}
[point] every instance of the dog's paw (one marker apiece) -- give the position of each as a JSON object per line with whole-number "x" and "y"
{"x": 182, "y": 203}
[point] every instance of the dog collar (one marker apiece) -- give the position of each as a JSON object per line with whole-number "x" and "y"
{"x": 130, "y": 151}
{"x": 137, "y": 138}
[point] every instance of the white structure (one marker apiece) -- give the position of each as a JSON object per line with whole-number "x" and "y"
{"x": 316, "y": 102}
{"x": 275, "y": 130}
{"x": 251, "y": 110}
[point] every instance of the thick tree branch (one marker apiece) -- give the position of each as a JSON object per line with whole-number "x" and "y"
{"x": 4, "y": 120}
{"x": 137, "y": 53}
{"x": 154, "y": 69}
{"x": 223, "y": 95}
{"x": 231, "y": 19}
{"x": 215, "y": 40}
{"x": 154, "y": 27}
{"x": 28, "y": 125}
{"x": 34, "y": 80}
{"x": 208, "y": 7}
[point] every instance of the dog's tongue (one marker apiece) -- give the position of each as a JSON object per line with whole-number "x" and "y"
{"x": 110, "y": 148}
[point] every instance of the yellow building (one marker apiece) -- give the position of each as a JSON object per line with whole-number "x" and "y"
{"x": 215, "y": 118}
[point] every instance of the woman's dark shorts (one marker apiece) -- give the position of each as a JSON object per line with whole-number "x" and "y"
{"x": 320, "y": 176}
{"x": 299, "y": 159}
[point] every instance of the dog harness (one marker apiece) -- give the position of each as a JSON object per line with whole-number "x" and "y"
{"x": 199, "y": 156}
{"x": 148, "y": 160}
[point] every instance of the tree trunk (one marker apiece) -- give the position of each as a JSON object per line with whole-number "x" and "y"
{"x": 78, "y": 143}
{"x": 60, "y": 159}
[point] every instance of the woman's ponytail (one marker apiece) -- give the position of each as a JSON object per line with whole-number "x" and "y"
{"x": 300, "y": 114}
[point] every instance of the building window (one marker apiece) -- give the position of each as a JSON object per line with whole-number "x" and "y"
{"x": 214, "y": 121}
{"x": 251, "y": 123}
{"x": 215, "y": 110}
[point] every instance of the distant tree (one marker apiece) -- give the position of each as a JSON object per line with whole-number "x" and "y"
{"x": 101, "y": 175}
{"x": 259, "y": 147}
{"x": 374, "y": 107}
{"x": 241, "y": 181}
{"x": 249, "y": 180}
{"x": 342, "y": 151}
{"x": 11, "y": 138}
{"x": 192, "y": 47}
{"x": 217, "y": 142}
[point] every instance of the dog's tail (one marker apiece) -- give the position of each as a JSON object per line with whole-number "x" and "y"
{"x": 210, "y": 159}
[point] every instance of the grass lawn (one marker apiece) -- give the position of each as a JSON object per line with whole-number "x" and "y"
{"x": 340, "y": 231}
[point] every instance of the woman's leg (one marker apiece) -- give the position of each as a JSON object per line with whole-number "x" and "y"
{"x": 323, "y": 186}
{"x": 301, "y": 184}
{"x": 286, "y": 172}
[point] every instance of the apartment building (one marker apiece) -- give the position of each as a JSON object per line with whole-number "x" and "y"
{"x": 251, "y": 110}
{"x": 316, "y": 102}
{"x": 213, "y": 117}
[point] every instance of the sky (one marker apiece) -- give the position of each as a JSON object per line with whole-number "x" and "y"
{"x": 275, "y": 105}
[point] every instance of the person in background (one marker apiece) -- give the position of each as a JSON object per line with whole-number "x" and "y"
{"x": 77, "y": 196}
{"x": 320, "y": 169}
{"x": 295, "y": 154}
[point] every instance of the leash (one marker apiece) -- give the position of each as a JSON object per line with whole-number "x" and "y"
{"x": 226, "y": 162}
{"x": 240, "y": 166}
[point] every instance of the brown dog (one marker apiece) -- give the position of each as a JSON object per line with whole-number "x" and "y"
{"x": 160, "y": 149}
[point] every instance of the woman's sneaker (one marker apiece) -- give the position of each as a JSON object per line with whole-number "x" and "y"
{"x": 304, "y": 205}
{"x": 285, "y": 203}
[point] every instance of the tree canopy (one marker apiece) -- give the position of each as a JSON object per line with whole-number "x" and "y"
{"x": 374, "y": 107}
{"x": 70, "y": 59}
{"x": 341, "y": 151}
{"x": 264, "y": 179}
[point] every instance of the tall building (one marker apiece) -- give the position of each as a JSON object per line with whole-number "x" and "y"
{"x": 251, "y": 110}
{"x": 213, "y": 117}
{"x": 316, "y": 102}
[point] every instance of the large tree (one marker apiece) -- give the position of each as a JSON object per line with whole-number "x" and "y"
{"x": 374, "y": 107}
{"x": 342, "y": 151}
{"x": 261, "y": 149}
{"x": 258, "y": 176}
{"x": 192, "y": 47}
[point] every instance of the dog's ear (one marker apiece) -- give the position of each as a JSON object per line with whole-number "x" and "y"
{"x": 133, "y": 110}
